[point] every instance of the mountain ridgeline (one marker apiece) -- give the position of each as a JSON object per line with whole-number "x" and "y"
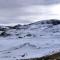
{"x": 4, "y": 29}
{"x": 18, "y": 26}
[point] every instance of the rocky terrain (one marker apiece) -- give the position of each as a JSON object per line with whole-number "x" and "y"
{"x": 35, "y": 40}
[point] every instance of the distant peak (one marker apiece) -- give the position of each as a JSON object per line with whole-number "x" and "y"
{"x": 50, "y": 21}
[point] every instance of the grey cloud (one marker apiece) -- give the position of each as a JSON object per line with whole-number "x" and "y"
{"x": 20, "y": 3}
{"x": 17, "y": 11}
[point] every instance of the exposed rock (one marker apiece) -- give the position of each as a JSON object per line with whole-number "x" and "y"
{"x": 29, "y": 35}
{"x": 20, "y": 37}
{"x": 15, "y": 27}
{"x": 51, "y": 21}
{"x": 4, "y": 34}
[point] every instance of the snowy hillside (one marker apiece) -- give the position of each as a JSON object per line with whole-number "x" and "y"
{"x": 34, "y": 40}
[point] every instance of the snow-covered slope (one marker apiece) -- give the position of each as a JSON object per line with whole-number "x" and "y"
{"x": 34, "y": 40}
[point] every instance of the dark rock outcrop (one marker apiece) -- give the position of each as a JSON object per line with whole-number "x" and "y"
{"x": 4, "y": 34}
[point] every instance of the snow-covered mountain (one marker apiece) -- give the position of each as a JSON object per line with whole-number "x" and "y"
{"x": 33, "y": 40}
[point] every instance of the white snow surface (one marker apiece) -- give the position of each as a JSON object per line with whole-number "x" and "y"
{"x": 36, "y": 41}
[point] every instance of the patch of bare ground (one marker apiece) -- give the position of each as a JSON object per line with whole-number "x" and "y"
{"x": 55, "y": 56}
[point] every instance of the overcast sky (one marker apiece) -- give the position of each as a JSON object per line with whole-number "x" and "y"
{"x": 27, "y": 11}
